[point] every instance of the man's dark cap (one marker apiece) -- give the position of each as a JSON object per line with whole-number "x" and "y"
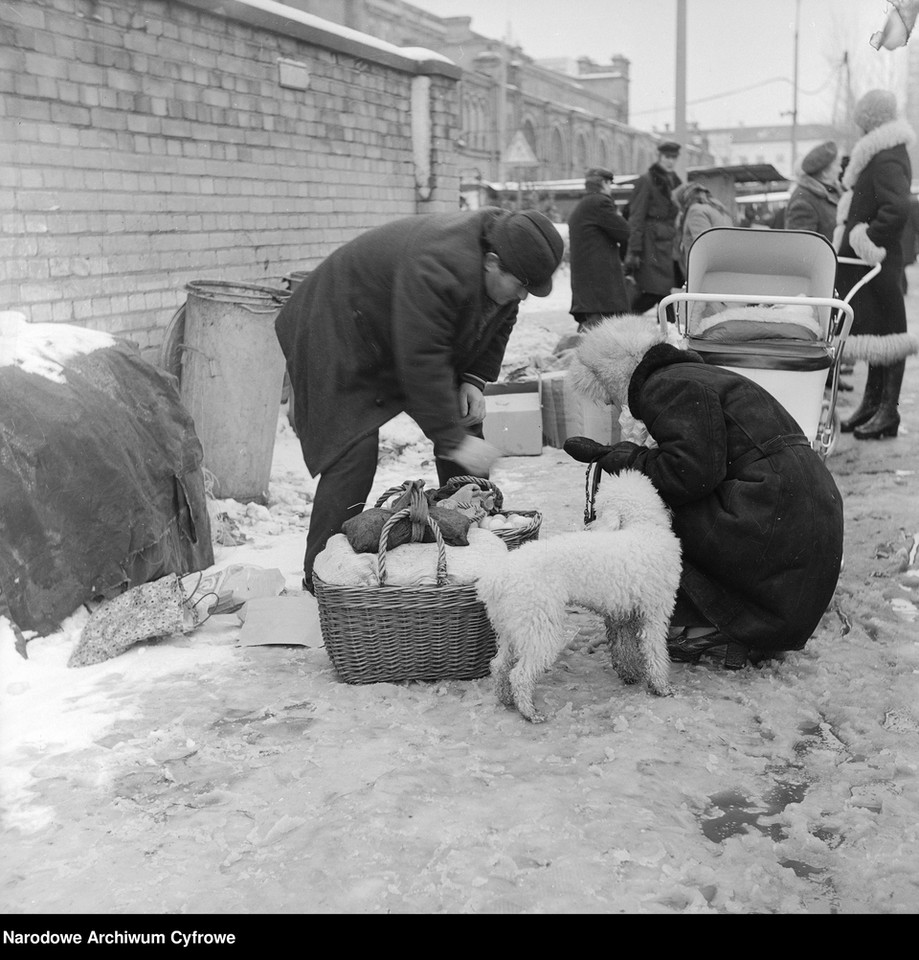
{"x": 529, "y": 247}
{"x": 598, "y": 174}
{"x": 669, "y": 148}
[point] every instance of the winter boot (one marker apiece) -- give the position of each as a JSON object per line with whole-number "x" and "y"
{"x": 871, "y": 400}
{"x": 886, "y": 420}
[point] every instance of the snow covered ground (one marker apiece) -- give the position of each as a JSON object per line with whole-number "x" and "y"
{"x": 198, "y": 775}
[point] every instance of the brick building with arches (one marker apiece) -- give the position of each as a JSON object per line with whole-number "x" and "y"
{"x": 573, "y": 113}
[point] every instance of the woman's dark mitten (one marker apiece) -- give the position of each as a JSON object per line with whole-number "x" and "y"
{"x": 585, "y": 450}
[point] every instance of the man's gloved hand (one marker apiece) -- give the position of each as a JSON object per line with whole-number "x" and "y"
{"x": 632, "y": 263}
{"x": 585, "y": 450}
{"x": 475, "y": 455}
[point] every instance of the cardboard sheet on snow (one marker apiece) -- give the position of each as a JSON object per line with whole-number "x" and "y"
{"x": 101, "y": 486}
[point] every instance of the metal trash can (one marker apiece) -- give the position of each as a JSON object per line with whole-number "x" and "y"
{"x": 232, "y": 373}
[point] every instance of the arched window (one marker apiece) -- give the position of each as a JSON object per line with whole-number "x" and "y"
{"x": 603, "y": 153}
{"x": 557, "y": 165}
{"x": 580, "y": 155}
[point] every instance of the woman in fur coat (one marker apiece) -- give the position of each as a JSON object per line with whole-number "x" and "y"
{"x": 757, "y": 512}
{"x": 870, "y": 220}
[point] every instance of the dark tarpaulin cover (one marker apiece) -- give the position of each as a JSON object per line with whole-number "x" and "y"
{"x": 101, "y": 485}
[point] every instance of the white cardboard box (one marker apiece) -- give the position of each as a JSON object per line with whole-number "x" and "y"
{"x": 513, "y": 418}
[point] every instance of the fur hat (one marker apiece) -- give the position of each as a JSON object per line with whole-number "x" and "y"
{"x": 819, "y": 158}
{"x": 874, "y": 108}
{"x": 608, "y": 354}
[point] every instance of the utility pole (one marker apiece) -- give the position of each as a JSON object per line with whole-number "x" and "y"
{"x": 679, "y": 124}
{"x": 794, "y": 102}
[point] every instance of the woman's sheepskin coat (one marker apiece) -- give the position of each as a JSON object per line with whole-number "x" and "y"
{"x": 870, "y": 220}
{"x": 761, "y": 523}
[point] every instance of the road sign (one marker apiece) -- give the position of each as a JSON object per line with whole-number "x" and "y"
{"x": 519, "y": 153}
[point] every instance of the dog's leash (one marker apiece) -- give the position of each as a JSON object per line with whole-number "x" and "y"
{"x": 594, "y": 472}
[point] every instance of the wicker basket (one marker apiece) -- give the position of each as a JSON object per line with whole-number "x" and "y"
{"x": 386, "y": 633}
{"x": 514, "y": 537}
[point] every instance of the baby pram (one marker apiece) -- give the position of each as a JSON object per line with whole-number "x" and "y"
{"x": 762, "y": 303}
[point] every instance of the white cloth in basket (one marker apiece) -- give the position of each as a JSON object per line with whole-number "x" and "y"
{"x": 409, "y": 565}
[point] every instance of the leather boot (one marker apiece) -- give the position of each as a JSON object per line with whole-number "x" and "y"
{"x": 886, "y": 421}
{"x": 871, "y": 400}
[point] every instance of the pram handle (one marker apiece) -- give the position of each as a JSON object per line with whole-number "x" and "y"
{"x": 870, "y": 275}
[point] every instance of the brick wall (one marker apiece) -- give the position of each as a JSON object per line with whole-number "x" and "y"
{"x": 146, "y": 143}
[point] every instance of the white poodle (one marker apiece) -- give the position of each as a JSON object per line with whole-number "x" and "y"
{"x": 625, "y": 566}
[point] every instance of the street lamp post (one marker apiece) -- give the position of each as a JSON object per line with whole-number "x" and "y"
{"x": 794, "y": 102}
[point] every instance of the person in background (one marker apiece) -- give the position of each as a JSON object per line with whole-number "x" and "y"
{"x": 870, "y": 218}
{"x": 598, "y": 236}
{"x": 699, "y": 210}
{"x": 413, "y": 315}
{"x": 652, "y": 230}
{"x": 812, "y": 205}
{"x": 777, "y": 219}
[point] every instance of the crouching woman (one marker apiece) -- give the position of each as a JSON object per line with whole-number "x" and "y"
{"x": 757, "y": 512}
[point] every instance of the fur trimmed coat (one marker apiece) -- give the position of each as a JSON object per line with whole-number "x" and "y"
{"x": 652, "y": 229}
{"x": 812, "y": 206}
{"x": 393, "y": 320}
{"x": 760, "y": 519}
{"x": 598, "y": 237}
{"x": 870, "y": 220}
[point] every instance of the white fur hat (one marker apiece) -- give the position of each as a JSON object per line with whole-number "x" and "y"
{"x": 608, "y": 354}
{"x": 874, "y": 108}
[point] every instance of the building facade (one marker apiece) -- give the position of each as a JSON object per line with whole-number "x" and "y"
{"x": 571, "y": 113}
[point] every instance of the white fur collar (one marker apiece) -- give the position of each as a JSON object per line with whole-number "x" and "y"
{"x": 887, "y": 135}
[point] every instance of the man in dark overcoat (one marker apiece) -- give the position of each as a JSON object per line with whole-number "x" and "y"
{"x": 652, "y": 230}
{"x": 598, "y": 236}
{"x": 413, "y": 315}
{"x": 758, "y": 514}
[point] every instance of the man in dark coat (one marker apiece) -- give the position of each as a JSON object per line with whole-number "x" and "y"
{"x": 870, "y": 220}
{"x": 413, "y": 315}
{"x": 598, "y": 236}
{"x": 757, "y": 512}
{"x": 652, "y": 230}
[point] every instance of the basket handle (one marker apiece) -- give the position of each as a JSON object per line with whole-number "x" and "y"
{"x": 384, "y": 537}
{"x": 454, "y": 483}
